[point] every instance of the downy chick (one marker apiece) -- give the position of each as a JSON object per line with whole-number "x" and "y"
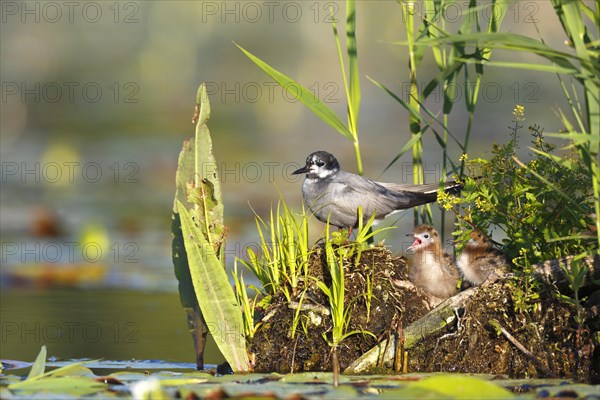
{"x": 480, "y": 262}
{"x": 430, "y": 268}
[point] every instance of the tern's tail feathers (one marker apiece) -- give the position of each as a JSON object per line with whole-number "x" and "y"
{"x": 426, "y": 189}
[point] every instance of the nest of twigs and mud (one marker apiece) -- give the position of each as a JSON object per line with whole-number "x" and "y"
{"x": 550, "y": 338}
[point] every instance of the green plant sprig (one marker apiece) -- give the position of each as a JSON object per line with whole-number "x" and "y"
{"x": 247, "y": 307}
{"x": 340, "y": 311}
{"x": 284, "y": 252}
{"x": 541, "y": 205}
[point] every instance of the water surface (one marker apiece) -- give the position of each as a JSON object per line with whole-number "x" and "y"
{"x": 107, "y": 324}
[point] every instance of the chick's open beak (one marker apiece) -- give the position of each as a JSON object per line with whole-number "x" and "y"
{"x": 415, "y": 244}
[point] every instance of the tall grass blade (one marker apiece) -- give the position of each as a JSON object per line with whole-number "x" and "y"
{"x": 354, "y": 81}
{"x": 508, "y": 41}
{"x": 307, "y": 98}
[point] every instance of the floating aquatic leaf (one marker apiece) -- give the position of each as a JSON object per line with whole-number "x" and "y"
{"x": 71, "y": 385}
{"x": 463, "y": 387}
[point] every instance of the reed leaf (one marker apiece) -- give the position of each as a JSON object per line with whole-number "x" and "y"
{"x": 303, "y": 94}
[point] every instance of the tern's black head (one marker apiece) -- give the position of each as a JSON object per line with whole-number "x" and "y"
{"x": 319, "y": 164}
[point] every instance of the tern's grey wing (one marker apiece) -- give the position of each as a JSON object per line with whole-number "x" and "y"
{"x": 350, "y": 191}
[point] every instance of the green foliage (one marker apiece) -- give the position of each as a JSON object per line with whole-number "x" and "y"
{"x": 453, "y": 60}
{"x": 542, "y": 206}
{"x": 248, "y": 307}
{"x": 576, "y": 276}
{"x": 351, "y": 84}
{"x": 580, "y": 63}
{"x": 214, "y": 293}
{"x": 337, "y": 254}
{"x": 340, "y": 316}
{"x": 198, "y": 245}
{"x": 284, "y": 252}
{"x": 72, "y": 379}
{"x": 336, "y": 293}
{"x": 525, "y": 289}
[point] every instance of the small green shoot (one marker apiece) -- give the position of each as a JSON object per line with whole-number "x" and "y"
{"x": 576, "y": 273}
{"x": 340, "y": 313}
{"x": 297, "y": 317}
{"x": 248, "y": 307}
{"x": 369, "y": 293}
{"x": 283, "y": 262}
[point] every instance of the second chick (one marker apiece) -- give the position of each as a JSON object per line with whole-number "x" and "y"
{"x": 479, "y": 262}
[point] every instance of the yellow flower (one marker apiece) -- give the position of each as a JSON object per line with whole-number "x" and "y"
{"x": 445, "y": 200}
{"x": 519, "y": 112}
{"x": 483, "y": 205}
{"x": 463, "y": 157}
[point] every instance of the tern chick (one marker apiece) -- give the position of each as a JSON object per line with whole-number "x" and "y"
{"x": 430, "y": 268}
{"x": 481, "y": 263}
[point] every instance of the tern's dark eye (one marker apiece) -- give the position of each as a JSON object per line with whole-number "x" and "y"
{"x": 320, "y": 163}
{"x": 426, "y": 236}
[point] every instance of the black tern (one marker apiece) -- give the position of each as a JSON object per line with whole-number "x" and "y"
{"x": 331, "y": 192}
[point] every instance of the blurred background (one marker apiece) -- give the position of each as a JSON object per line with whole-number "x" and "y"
{"x": 97, "y": 98}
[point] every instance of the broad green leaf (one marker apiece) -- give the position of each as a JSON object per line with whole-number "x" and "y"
{"x": 185, "y": 180}
{"x": 198, "y": 187}
{"x": 307, "y": 98}
{"x": 174, "y": 381}
{"x": 206, "y": 177}
{"x": 214, "y": 293}
{"x": 185, "y": 175}
{"x": 412, "y": 392}
{"x": 38, "y": 367}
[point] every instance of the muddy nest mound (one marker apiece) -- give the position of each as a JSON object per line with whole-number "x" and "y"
{"x": 504, "y": 328}
{"x": 494, "y": 335}
{"x": 274, "y": 348}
